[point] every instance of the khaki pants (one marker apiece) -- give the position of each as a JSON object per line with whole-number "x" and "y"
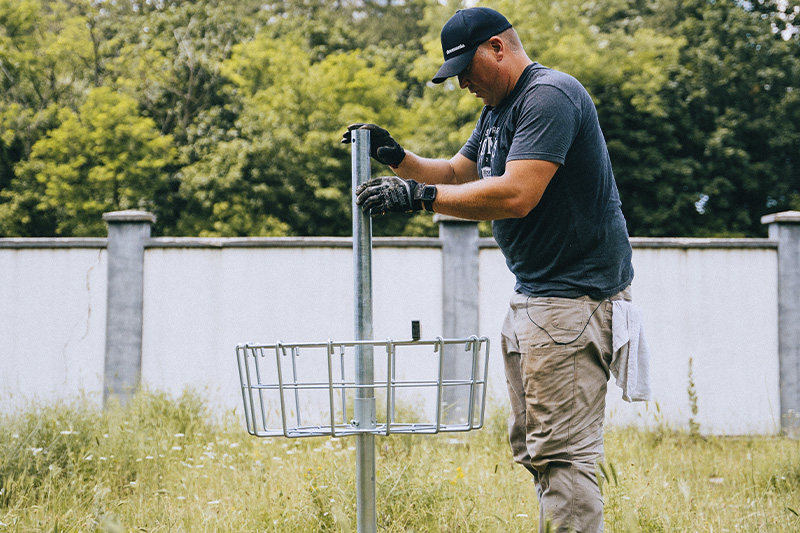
{"x": 556, "y": 353}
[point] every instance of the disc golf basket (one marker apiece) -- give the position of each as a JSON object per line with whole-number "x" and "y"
{"x": 330, "y": 388}
{"x": 307, "y": 390}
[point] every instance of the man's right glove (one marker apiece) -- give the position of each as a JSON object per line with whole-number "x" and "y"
{"x": 382, "y": 147}
{"x": 389, "y": 194}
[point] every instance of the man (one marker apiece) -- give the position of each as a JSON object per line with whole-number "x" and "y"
{"x": 537, "y": 166}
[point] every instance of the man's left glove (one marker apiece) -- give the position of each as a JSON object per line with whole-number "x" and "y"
{"x": 390, "y": 194}
{"x": 382, "y": 148}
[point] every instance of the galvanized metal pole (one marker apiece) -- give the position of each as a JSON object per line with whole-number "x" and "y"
{"x": 364, "y": 403}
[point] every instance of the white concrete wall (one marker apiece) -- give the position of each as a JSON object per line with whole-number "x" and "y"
{"x": 52, "y": 324}
{"x": 200, "y": 303}
{"x": 716, "y": 305}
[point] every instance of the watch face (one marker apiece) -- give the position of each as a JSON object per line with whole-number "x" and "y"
{"x": 429, "y": 193}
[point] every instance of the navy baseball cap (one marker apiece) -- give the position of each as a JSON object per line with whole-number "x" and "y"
{"x": 463, "y": 33}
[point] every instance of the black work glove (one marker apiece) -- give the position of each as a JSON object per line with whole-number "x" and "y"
{"x": 382, "y": 147}
{"x": 389, "y": 194}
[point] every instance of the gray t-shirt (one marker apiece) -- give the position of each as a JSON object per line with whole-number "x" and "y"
{"x": 574, "y": 242}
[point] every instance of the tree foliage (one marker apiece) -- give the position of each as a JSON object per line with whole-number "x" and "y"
{"x": 224, "y": 118}
{"x": 104, "y": 157}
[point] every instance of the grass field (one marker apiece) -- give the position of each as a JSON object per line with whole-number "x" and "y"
{"x": 165, "y": 465}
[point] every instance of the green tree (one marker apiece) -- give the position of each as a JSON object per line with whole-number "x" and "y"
{"x": 103, "y": 158}
{"x": 626, "y": 62}
{"x": 688, "y": 93}
{"x": 239, "y": 106}
{"x": 287, "y": 173}
{"x": 43, "y": 54}
{"x": 735, "y": 99}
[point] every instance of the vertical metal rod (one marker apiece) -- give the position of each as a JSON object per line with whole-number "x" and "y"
{"x": 390, "y": 351}
{"x": 249, "y": 388}
{"x": 256, "y": 353}
{"x": 280, "y": 350}
{"x": 473, "y": 378}
{"x": 344, "y": 395}
{"x": 296, "y": 390}
{"x": 483, "y": 382}
{"x": 393, "y": 355}
{"x": 364, "y": 408}
{"x": 330, "y": 388}
{"x": 439, "y": 414}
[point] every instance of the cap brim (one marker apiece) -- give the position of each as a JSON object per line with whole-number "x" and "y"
{"x": 454, "y": 66}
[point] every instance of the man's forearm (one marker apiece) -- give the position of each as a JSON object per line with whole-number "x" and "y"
{"x": 482, "y": 200}
{"x": 430, "y": 171}
{"x": 512, "y": 195}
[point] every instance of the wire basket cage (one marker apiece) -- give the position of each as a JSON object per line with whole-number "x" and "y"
{"x": 309, "y": 389}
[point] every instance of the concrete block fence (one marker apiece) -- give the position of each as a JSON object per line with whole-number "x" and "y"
{"x": 102, "y": 317}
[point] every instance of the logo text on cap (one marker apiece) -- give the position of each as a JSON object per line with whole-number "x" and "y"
{"x": 459, "y": 47}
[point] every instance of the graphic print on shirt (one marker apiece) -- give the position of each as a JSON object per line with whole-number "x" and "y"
{"x": 487, "y": 152}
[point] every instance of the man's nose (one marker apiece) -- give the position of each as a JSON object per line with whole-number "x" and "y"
{"x": 462, "y": 81}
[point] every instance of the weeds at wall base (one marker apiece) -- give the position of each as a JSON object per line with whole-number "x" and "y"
{"x": 161, "y": 464}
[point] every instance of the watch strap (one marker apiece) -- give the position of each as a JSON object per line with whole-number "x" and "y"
{"x": 428, "y": 196}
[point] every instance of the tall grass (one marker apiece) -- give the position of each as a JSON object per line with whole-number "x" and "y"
{"x": 164, "y": 464}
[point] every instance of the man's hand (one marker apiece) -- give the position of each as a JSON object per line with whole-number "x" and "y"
{"x": 382, "y": 147}
{"x": 389, "y": 194}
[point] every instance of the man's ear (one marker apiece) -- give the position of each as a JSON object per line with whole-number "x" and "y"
{"x": 497, "y": 47}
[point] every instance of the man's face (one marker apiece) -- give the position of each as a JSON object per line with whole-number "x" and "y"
{"x": 480, "y": 77}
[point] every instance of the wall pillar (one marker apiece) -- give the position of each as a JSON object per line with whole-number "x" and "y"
{"x": 785, "y": 228}
{"x": 459, "y": 307}
{"x": 127, "y": 233}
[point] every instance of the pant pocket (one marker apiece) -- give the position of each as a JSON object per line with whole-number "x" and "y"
{"x": 558, "y": 320}
{"x": 549, "y": 378}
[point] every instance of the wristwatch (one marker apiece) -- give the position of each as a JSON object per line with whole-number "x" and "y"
{"x": 428, "y": 196}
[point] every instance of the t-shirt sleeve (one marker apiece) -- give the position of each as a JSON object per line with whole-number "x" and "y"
{"x": 471, "y": 147}
{"x": 547, "y": 124}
